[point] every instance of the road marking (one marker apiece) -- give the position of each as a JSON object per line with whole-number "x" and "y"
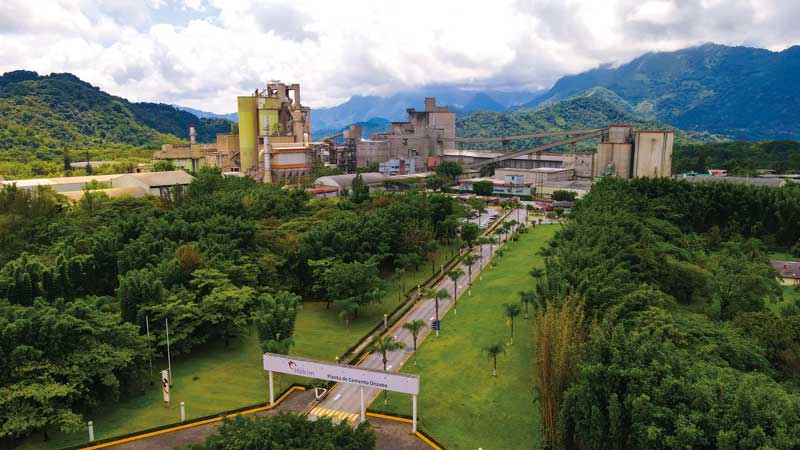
{"x": 337, "y": 397}
{"x": 334, "y": 414}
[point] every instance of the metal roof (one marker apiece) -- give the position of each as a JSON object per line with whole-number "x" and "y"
{"x": 347, "y": 180}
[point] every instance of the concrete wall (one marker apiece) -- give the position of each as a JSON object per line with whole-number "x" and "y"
{"x": 619, "y": 155}
{"x": 653, "y": 155}
{"x": 581, "y": 163}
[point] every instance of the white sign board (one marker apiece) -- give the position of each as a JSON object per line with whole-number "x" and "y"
{"x": 340, "y": 373}
{"x": 165, "y": 384}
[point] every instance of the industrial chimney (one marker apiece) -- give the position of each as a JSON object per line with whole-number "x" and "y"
{"x": 192, "y": 135}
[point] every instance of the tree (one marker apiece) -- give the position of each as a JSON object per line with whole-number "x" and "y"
{"x": 564, "y": 196}
{"x": 274, "y": 317}
{"x": 287, "y": 432}
{"x": 163, "y": 165}
{"x": 483, "y": 188}
{"x": 138, "y": 288}
{"x": 559, "y": 340}
{"x": 454, "y": 275}
{"x": 37, "y": 402}
{"x": 511, "y": 311}
{"x": 441, "y": 294}
{"x": 225, "y": 311}
{"x": 492, "y": 351}
{"x": 449, "y": 169}
{"x": 469, "y": 232}
{"x": 470, "y": 259}
{"x": 384, "y": 345}
{"x": 527, "y": 298}
{"x": 360, "y": 190}
{"x": 414, "y": 327}
{"x": 352, "y": 285}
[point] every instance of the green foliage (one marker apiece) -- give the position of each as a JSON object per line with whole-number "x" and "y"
{"x": 163, "y": 166}
{"x": 59, "y": 359}
{"x": 644, "y": 252}
{"x": 470, "y": 232}
{"x": 43, "y": 119}
{"x": 288, "y": 432}
{"x": 483, "y": 187}
{"x": 274, "y": 317}
{"x": 564, "y": 196}
{"x": 449, "y": 170}
{"x": 738, "y": 158}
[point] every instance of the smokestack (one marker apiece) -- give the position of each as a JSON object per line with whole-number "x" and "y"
{"x": 192, "y": 135}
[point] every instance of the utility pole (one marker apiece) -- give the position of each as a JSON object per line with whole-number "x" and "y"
{"x": 149, "y": 354}
{"x": 169, "y": 359}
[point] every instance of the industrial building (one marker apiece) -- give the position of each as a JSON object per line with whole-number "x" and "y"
{"x": 160, "y": 184}
{"x": 272, "y": 143}
{"x": 274, "y": 134}
{"x": 419, "y": 141}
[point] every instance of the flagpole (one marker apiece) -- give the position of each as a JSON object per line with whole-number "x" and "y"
{"x": 169, "y": 360}
{"x": 149, "y": 353}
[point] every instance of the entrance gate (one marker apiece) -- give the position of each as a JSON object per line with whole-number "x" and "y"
{"x": 341, "y": 373}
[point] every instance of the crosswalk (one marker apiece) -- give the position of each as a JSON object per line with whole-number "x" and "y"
{"x": 334, "y": 414}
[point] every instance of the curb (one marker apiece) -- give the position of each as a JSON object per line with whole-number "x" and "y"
{"x": 116, "y": 441}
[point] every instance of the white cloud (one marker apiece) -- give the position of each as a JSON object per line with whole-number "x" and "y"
{"x": 202, "y": 53}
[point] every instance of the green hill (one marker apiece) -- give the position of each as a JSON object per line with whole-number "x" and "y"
{"x": 42, "y": 117}
{"x": 746, "y": 93}
{"x": 591, "y": 111}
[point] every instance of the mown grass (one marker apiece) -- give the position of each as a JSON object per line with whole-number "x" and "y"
{"x": 215, "y": 378}
{"x": 460, "y": 403}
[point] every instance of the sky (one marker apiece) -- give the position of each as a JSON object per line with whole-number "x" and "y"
{"x": 203, "y": 53}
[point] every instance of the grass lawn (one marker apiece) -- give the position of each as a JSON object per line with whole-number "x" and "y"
{"x": 232, "y": 377}
{"x": 227, "y": 378}
{"x": 782, "y": 256}
{"x": 460, "y": 403}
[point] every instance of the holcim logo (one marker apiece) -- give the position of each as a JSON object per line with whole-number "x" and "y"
{"x": 299, "y": 370}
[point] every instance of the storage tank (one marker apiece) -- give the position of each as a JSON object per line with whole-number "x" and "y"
{"x": 653, "y": 155}
{"x": 248, "y": 132}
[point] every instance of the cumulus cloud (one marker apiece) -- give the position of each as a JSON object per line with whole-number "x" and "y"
{"x": 202, "y": 53}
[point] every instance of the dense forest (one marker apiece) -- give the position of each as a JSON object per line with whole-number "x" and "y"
{"x": 47, "y": 119}
{"x": 662, "y": 324}
{"x": 739, "y": 158}
{"x": 77, "y": 282}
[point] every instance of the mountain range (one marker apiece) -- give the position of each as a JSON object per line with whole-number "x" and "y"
{"x": 711, "y": 92}
{"x": 740, "y": 92}
{"x": 732, "y": 92}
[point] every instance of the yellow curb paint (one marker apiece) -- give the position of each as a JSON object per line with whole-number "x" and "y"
{"x": 384, "y": 416}
{"x": 194, "y": 424}
{"x": 427, "y": 441}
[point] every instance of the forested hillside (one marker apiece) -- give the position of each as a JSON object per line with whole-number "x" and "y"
{"x": 583, "y": 112}
{"x": 739, "y": 158}
{"x": 44, "y": 117}
{"x": 661, "y": 323}
{"x": 746, "y": 93}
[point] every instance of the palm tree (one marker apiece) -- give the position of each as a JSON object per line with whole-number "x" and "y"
{"x": 384, "y": 345}
{"x": 492, "y": 351}
{"x": 511, "y": 310}
{"x": 454, "y": 275}
{"x": 537, "y": 273}
{"x": 492, "y": 241}
{"x": 527, "y": 297}
{"x": 415, "y": 327}
{"x": 470, "y": 260}
{"x": 441, "y": 294}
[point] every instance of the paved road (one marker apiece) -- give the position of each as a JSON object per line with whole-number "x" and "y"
{"x": 344, "y": 400}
